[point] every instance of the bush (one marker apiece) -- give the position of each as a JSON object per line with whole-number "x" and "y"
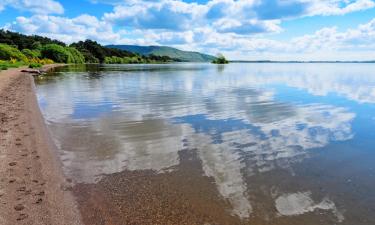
{"x": 8, "y": 52}
{"x": 35, "y": 65}
{"x": 31, "y": 54}
{"x": 10, "y": 64}
{"x": 62, "y": 54}
{"x": 46, "y": 61}
{"x": 89, "y": 57}
{"x": 57, "y": 53}
{"x": 41, "y": 61}
{"x": 76, "y": 56}
{"x": 36, "y": 45}
{"x": 220, "y": 59}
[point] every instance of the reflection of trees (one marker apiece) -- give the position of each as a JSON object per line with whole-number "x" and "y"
{"x": 220, "y": 68}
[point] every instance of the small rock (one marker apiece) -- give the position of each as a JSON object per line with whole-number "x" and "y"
{"x": 22, "y": 217}
{"x": 19, "y": 207}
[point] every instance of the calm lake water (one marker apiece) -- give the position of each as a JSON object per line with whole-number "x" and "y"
{"x": 208, "y": 144}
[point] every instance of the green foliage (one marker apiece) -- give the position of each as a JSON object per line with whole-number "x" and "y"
{"x": 24, "y": 41}
{"x": 56, "y": 52}
{"x": 76, "y": 56}
{"x": 35, "y": 50}
{"x": 96, "y": 50}
{"x": 123, "y": 60}
{"x": 36, "y": 45}
{"x": 8, "y": 52}
{"x": 41, "y": 61}
{"x": 62, "y": 54}
{"x": 158, "y": 58}
{"x": 220, "y": 59}
{"x": 31, "y": 54}
{"x": 99, "y": 52}
{"x": 35, "y": 65}
{"x": 173, "y": 53}
{"x": 137, "y": 59}
{"x": 10, "y": 64}
{"x": 89, "y": 57}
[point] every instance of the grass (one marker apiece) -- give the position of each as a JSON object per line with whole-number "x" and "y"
{"x": 31, "y": 63}
{"x": 4, "y": 65}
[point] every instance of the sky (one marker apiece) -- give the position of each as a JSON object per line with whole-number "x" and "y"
{"x": 240, "y": 29}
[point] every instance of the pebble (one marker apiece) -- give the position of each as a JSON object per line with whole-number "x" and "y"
{"x": 19, "y": 207}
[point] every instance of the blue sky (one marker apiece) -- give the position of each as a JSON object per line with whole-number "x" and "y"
{"x": 240, "y": 29}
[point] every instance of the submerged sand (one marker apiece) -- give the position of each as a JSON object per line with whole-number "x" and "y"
{"x": 33, "y": 189}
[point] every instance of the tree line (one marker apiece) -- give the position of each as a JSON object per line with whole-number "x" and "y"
{"x": 33, "y": 50}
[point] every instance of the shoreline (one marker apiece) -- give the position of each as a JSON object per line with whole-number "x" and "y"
{"x": 33, "y": 189}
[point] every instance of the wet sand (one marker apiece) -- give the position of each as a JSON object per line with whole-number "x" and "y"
{"x": 33, "y": 189}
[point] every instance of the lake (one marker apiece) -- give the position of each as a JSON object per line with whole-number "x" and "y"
{"x": 278, "y": 144}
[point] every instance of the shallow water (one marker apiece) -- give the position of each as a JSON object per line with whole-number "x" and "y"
{"x": 208, "y": 144}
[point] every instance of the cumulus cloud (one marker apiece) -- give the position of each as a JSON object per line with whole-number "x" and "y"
{"x": 34, "y": 6}
{"x": 232, "y": 27}
{"x": 339, "y": 7}
{"x": 248, "y": 27}
{"x": 171, "y": 15}
{"x": 65, "y": 29}
{"x": 239, "y": 17}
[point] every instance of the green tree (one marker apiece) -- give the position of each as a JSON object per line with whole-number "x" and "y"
{"x": 8, "y": 52}
{"x": 220, "y": 59}
{"x": 57, "y": 53}
{"x": 36, "y": 45}
{"x": 76, "y": 56}
{"x": 31, "y": 54}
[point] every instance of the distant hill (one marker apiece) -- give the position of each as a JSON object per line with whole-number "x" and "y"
{"x": 184, "y": 56}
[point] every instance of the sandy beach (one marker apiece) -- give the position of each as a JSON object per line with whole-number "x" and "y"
{"x": 33, "y": 189}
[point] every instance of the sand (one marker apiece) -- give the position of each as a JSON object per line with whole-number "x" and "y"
{"x": 33, "y": 189}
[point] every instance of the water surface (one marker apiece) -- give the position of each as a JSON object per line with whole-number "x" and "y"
{"x": 207, "y": 144}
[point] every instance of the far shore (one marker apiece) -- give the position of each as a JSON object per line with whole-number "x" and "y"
{"x": 33, "y": 189}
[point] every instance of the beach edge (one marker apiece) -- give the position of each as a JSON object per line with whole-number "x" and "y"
{"x": 33, "y": 188}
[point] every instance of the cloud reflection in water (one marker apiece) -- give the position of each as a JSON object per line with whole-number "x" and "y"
{"x": 235, "y": 126}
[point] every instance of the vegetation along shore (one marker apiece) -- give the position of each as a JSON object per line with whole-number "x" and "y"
{"x": 34, "y": 51}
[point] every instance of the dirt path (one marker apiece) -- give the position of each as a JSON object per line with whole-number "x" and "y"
{"x": 32, "y": 187}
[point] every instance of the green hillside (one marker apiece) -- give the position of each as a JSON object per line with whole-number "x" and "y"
{"x": 174, "y": 53}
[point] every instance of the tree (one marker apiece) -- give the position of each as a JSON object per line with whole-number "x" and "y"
{"x": 220, "y": 59}
{"x": 76, "y": 56}
{"x": 31, "y": 54}
{"x": 57, "y": 53}
{"x": 24, "y": 41}
{"x": 8, "y": 52}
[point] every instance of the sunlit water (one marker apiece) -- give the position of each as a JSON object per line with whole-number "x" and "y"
{"x": 280, "y": 143}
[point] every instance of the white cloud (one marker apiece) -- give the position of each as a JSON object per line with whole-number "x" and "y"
{"x": 34, "y": 6}
{"x": 65, "y": 29}
{"x": 234, "y": 28}
{"x": 339, "y": 7}
{"x": 169, "y": 15}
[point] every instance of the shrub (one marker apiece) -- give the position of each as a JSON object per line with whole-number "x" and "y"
{"x": 220, "y": 59}
{"x": 89, "y": 57}
{"x": 31, "y": 54}
{"x": 76, "y": 56}
{"x": 13, "y": 63}
{"x": 46, "y": 61}
{"x": 8, "y": 52}
{"x": 41, "y": 61}
{"x": 36, "y": 45}
{"x": 35, "y": 65}
{"x": 57, "y": 53}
